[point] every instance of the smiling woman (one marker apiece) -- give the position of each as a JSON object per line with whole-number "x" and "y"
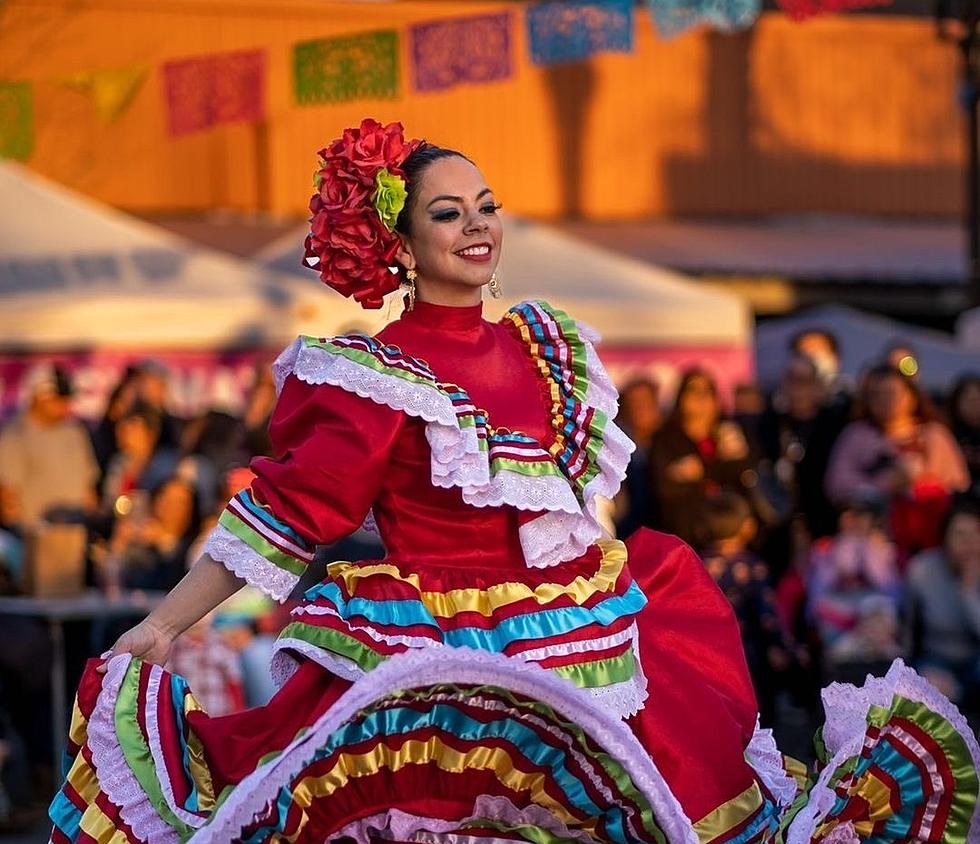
{"x": 451, "y": 232}
{"x": 507, "y": 672}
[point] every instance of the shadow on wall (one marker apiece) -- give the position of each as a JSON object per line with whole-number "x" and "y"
{"x": 571, "y": 88}
{"x": 753, "y": 165}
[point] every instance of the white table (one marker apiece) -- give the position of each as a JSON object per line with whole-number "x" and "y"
{"x": 84, "y": 606}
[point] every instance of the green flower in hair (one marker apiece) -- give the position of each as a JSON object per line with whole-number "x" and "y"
{"x": 389, "y": 197}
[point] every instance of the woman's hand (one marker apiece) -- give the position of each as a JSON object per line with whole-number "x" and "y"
{"x": 732, "y": 444}
{"x": 147, "y": 640}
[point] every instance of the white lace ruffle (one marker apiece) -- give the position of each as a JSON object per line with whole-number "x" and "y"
{"x": 460, "y": 460}
{"x": 624, "y": 699}
{"x": 602, "y": 393}
{"x": 241, "y": 559}
{"x": 396, "y": 825}
{"x": 766, "y": 760}
{"x": 116, "y": 779}
{"x": 418, "y": 669}
{"x": 554, "y": 538}
{"x": 847, "y": 711}
{"x": 283, "y": 664}
{"x": 156, "y": 751}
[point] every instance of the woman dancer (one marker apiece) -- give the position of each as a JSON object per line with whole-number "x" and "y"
{"x": 506, "y": 673}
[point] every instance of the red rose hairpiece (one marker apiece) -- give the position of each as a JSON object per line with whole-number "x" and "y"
{"x": 360, "y": 190}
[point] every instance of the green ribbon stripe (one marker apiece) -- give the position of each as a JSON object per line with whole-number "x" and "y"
{"x": 260, "y": 545}
{"x": 137, "y": 752}
{"x": 370, "y": 361}
{"x": 955, "y": 751}
{"x": 536, "y": 469}
{"x": 335, "y": 642}
{"x": 599, "y": 672}
{"x": 611, "y": 766}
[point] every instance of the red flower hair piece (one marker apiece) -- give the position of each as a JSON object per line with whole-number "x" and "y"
{"x": 350, "y": 243}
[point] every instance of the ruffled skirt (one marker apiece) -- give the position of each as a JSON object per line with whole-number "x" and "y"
{"x": 446, "y": 742}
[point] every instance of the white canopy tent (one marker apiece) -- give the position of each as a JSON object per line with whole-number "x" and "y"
{"x": 630, "y": 302}
{"x": 654, "y": 322}
{"x": 77, "y": 274}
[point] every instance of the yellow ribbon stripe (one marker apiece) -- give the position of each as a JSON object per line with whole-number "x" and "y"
{"x": 200, "y": 772}
{"x": 94, "y": 821}
{"x": 727, "y": 816}
{"x": 415, "y": 752}
{"x": 78, "y": 729}
{"x": 487, "y": 601}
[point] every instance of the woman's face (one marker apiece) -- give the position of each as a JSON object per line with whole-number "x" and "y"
{"x": 889, "y": 399}
{"x": 801, "y": 387}
{"x": 174, "y": 507}
{"x": 641, "y": 409}
{"x": 455, "y": 229}
{"x": 698, "y": 401}
{"x": 963, "y": 541}
{"x": 968, "y": 405}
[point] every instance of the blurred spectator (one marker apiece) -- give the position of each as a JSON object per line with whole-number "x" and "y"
{"x": 821, "y": 346}
{"x": 258, "y": 410}
{"x": 143, "y": 461}
{"x": 964, "y": 417}
{"x": 796, "y": 435}
{"x": 211, "y": 667}
{"x": 695, "y": 454}
{"x": 944, "y": 608}
{"x": 211, "y": 445}
{"x": 896, "y": 450}
{"x": 749, "y": 404}
{"x": 153, "y": 389}
{"x": 121, "y": 399}
{"x": 47, "y": 468}
{"x": 845, "y": 570}
{"x": 640, "y": 417}
{"x": 744, "y": 578}
{"x": 150, "y": 552}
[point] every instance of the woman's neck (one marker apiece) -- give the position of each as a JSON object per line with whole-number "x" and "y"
{"x": 448, "y": 293}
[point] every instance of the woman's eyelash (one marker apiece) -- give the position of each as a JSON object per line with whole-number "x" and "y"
{"x": 451, "y": 214}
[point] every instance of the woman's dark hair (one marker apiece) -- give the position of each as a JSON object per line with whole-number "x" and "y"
{"x": 923, "y": 411}
{"x": 194, "y": 522}
{"x": 963, "y": 383}
{"x": 414, "y": 167}
{"x": 687, "y": 377}
{"x": 796, "y": 341}
{"x": 145, "y": 413}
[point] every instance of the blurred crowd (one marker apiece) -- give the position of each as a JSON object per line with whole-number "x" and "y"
{"x": 841, "y": 520}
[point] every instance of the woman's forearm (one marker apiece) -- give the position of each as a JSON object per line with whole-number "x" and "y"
{"x": 206, "y": 585}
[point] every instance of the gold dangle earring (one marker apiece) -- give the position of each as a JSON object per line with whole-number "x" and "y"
{"x": 494, "y": 286}
{"x": 410, "y": 276}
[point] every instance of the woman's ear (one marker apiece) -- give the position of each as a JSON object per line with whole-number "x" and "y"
{"x": 404, "y": 254}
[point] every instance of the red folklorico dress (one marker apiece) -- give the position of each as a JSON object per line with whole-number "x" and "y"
{"x": 506, "y": 673}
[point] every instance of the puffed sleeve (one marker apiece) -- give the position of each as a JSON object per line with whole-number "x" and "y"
{"x": 332, "y": 448}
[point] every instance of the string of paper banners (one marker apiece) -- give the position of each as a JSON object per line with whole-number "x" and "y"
{"x": 208, "y": 90}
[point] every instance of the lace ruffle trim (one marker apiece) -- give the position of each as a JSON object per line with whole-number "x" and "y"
{"x": 417, "y": 669}
{"x": 765, "y": 759}
{"x": 241, "y": 559}
{"x": 459, "y": 459}
{"x": 116, "y": 779}
{"x": 847, "y": 709}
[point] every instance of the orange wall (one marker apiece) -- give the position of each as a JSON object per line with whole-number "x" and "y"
{"x": 839, "y": 114}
